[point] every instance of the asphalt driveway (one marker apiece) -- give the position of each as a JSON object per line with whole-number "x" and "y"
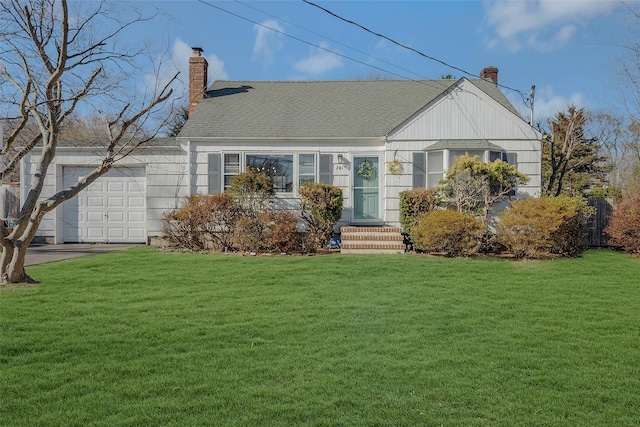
{"x": 41, "y": 254}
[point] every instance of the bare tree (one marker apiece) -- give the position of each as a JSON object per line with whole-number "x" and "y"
{"x": 629, "y": 64}
{"x": 618, "y": 142}
{"x": 54, "y": 61}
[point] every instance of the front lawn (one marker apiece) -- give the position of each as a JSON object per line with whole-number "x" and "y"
{"x": 142, "y": 337}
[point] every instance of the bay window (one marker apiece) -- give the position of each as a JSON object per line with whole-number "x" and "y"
{"x": 442, "y": 155}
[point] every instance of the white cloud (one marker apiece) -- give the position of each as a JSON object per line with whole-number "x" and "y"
{"x": 268, "y": 40}
{"x": 540, "y": 24}
{"x": 319, "y": 61}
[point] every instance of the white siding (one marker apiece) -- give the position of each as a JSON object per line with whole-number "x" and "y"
{"x": 165, "y": 169}
{"x": 464, "y": 113}
{"x": 341, "y": 171}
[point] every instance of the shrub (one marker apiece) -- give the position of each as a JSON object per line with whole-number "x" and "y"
{"x": 414, "y": 203}
{"x": 547, "y": 226}
{"x": 203, "y": 222}
{"x": 279, "y": 230}
{"x": 624, "y": 224}
{"x": 473, "y": 186}
{"x": 248, "y": 234}
{"x": 606, "y": 193}
{"x": 253, "y": 190}
{"x": 321, "y": 209}
{"x": 448, "y": 231}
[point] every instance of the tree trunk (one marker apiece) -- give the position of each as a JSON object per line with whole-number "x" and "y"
{"x": 12, "y": 264}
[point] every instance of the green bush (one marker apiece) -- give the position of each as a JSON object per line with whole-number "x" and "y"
{"x": 253, "y": 190}
{"x": 544, "y": 227}
{"x": 414, "y": 203}
{"x": 624, "y": 224}
{"x": 203, "y": 222}
{"x": 321, "y": 209}
{"x": 448, "y": 231}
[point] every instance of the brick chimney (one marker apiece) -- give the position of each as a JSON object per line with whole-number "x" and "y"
{"x": 198, "y": 68}
{"x": 490, "y": 73}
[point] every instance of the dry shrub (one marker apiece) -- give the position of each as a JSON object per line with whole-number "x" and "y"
{"x": 448, "y": 231}
{"x": 321, "y": 208}
{"x": 545, "y": 227}
{"x": 248, "y": 234}
{"x": 624, "y": 224}
{"x": 279, "y": 230}
{"x": 414, "y": 203}
{"x": 203, "y": 222}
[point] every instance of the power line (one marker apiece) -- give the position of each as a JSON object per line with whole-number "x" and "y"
{"x": 427, "y": 83}
{"x": 348, "y": 21}
{"x": 331, "y": 40}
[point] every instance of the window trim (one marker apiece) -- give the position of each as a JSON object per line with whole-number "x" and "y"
{"x": 448, "y": 159}
{"x": 230, "y": 174}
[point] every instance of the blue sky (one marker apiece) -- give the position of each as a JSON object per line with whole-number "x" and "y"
{"x": 568, "y": 49}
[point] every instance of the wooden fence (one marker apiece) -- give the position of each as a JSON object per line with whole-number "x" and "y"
{"x": 598, "y": 222}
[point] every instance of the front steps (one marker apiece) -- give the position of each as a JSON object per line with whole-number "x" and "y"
{"x": 371, "y": 240}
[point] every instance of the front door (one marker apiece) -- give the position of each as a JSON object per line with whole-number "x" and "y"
{"x": 366, "y": 189}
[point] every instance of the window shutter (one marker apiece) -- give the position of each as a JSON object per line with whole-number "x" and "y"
{"x": 512, "y": 159}
{"x": 326, "y": 169}
{"x": 214, "y": 174}
{"x": 419, "y": 170}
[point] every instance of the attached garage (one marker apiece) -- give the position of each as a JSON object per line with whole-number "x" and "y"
{"x": 111, "y": 210}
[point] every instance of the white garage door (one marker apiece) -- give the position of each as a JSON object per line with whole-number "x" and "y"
{"x": 110, "y": 210}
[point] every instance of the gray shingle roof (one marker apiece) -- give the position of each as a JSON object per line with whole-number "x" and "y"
{"x": 453, "y": 144}
{"x": 98, "y": 141}
{"x": 315, "y": 109}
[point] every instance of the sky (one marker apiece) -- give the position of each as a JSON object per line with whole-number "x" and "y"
{"x": 570, "y": 50}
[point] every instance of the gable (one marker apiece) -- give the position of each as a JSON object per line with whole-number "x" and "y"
{"x": 464, "y": 112}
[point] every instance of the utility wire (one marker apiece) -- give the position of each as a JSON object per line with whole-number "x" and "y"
{"x": 427, "y": 83}
{"x": 348, "y": 21}
{"x": 331, "y": 40}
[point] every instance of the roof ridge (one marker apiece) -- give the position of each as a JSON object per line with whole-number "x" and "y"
{"x": 337, "y": 81}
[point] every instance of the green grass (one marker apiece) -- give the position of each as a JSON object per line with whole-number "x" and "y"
{"x": 142, "y": 337}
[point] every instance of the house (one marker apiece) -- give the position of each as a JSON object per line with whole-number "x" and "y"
{"x": 371, "y": 138}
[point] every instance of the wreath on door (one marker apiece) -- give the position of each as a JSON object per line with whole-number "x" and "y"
{"x": 366, "y": 170}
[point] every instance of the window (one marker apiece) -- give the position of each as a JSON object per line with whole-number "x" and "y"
{"x": 453, "y": 154}
{"x": 231, "y": 168}
{"x": 306, "y": 169}
{"x": 495, "y": 155}
{"x": 286, "y": 171}
{"x": 277, "y": 167}
{"x": 419, "y": 170}
{"x": 435, "y": 169}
